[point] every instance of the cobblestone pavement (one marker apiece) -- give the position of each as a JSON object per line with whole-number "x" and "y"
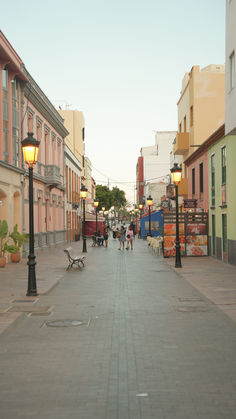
{"x": 150, "y": 344}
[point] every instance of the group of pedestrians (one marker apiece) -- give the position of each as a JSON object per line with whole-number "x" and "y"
{"x": 123, "y": 235}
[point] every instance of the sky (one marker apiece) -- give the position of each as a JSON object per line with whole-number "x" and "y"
{"x": 120, "y": 62}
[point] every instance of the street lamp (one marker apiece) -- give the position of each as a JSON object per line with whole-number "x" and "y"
{"x": 96, "y": 203}
{"x": 83, "y": 192}
{"x": 141, "y": 213}
{"x": 30, "y": 148}
{"x": 176, "y": 174}
{"x": 149, "y": 202}
{"x": 130, "y": 213}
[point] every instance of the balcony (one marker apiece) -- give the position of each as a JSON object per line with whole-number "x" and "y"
{"x": 75, "y": 200}
{"x": 52, "y": 174}
{"x": 181, "y": 145}
{"x": 183, "y": 187}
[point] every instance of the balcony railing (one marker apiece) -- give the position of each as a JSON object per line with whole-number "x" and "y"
{"x": 52, "y": 173}
{"x": 182, "y": 143}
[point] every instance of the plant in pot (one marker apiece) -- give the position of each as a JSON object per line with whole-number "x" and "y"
{"x": 18, "y": 239}
{"x": 3, "y": 242}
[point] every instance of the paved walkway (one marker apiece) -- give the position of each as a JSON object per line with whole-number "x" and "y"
{"x": 150, "y": 344}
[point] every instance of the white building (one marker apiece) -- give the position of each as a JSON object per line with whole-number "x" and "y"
{"x": 156, "y": 163}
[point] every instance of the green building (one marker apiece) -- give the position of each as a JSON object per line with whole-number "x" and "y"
{"x": 222, "y": 199}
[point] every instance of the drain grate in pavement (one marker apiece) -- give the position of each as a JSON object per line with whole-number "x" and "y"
{"x": 41, "y": 313}
{"x": 64, "y": 323}
{"x": 194, "y": 309}
{"x": 190, "y": 299}
{"x": 28, "y": 309}
{"x": 24, "y": 301}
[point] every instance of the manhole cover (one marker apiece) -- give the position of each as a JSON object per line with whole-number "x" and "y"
{"x": 192, "y": 309}
{"x": 65, "y": 323}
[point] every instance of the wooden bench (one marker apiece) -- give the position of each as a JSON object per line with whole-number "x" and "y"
{"x": 73, "y": 260}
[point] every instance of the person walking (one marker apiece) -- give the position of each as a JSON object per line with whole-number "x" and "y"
{"x": 130, "y": 238}
{"x": 114, "y": 231}
{"x": 122, "y": 238}
{"x": 105, "y": 234}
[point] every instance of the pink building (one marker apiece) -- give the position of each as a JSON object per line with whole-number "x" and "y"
{"x": 197, "y": 171}
{"x": 25, "y": 108}
{"x": 46, "y": 123}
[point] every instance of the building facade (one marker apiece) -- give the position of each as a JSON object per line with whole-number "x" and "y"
{"x": 12, "y": 81}
{"x": 75, "y": 171}
{"x": 73, "y": 209}
{"x": 201, "y": 111}
{"x": 154, "y": 164}
{"x": 25, "y": 108}
{"x": 41, "y": 118}
{"x": 222, "y": 159}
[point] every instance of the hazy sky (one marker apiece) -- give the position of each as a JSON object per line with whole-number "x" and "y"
{"x": 120, "y": 62}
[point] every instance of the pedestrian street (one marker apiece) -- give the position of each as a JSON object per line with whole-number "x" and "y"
{"x": 126, "y": 337}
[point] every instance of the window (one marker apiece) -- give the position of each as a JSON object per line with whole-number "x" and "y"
{"x": 83, "y": 133}
{"x": 191, "y": 116}
{"x": 213, "y": 180}
{"x": 15, "y": 121}
{"x": 5, "y": 79}
{"x": 185, "y": 124}
{"x": 232, "y": 70}
{"x": 201, "y": 186}
{"x": 193, "y": 181}
{"x": 180, "y": 128}
{"x": 223, "y": 175}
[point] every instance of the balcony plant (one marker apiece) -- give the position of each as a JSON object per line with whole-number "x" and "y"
{"x": 3, "y": 242}
{"x": 18, "y": 239}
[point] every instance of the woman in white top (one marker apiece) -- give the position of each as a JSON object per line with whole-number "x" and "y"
{"x": 130, "y": 238}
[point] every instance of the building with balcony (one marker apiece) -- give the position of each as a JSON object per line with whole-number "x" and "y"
{"x": 25, "y": 108}
{"x": 201, "y": 112}
{"x": 12, "y": 81}
{"x": 41, "y": 118}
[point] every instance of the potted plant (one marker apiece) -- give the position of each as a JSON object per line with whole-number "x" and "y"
{"x": 3, "y": 242}
{"x": 14, "y": 249}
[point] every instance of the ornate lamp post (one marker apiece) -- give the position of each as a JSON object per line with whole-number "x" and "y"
{"x": 130, "y": 213}
{"x": 149, "y": 202}
{"x": 96, "y": 203}
{"x": 106, "y": 215}
{"x": 176, "y": 174}
{"x": 140, "y": 206}
{"x": 83, "y": 192}
{"x": 30, "y": 148}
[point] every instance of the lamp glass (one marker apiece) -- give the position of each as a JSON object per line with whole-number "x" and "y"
{"x": 30, "y": 154}
{"x": 83, "y": 192}
{"x": 149, "y": 201}
{"x": 103, "y": 208}
{"x": 176, "y": 174}
{"x": 140, "y": 206}
{"x": 96, "y": 203}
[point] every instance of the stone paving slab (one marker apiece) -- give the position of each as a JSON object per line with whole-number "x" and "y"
{"x": 136, "y": 356}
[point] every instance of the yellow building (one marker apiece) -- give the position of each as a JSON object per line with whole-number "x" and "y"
{"x": 74, "y": 123}
{"x": 74, "y": 171}
{"x": 201, "y": 111}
